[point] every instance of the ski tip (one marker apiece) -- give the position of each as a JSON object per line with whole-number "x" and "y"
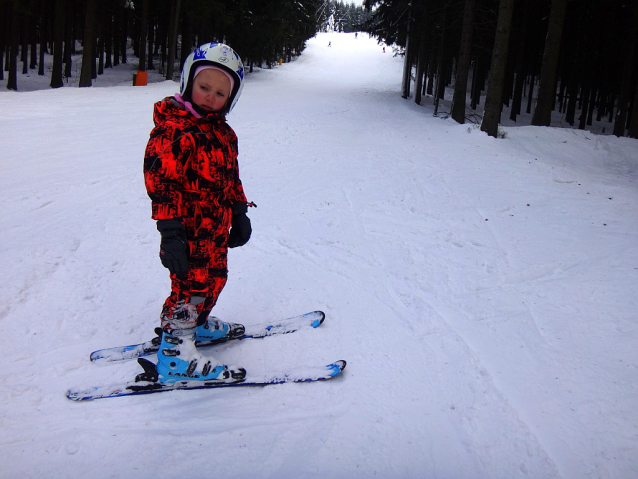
{"x": 105, "y": 355}
{"x": 336, "y": 367}
{"x": 319, "y": 321}
{"x": 99, "y": 355}
{"x": 79, "y": 395}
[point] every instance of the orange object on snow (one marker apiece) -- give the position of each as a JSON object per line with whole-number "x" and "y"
{"x": 141, "y": 78}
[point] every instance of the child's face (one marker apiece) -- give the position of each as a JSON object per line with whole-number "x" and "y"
{"x": 211, "y": 90}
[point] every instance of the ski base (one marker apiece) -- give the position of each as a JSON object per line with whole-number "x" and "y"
{"x": 123, "y": 353}
{"x": 321, "y": 373}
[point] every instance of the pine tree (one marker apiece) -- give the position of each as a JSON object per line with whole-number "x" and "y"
{"x": 494, "y": 98}
{"x": 58, "y": 39}
{"x": 88, "y": 54}
{"x": 463, "y": 65}
{"x": 547, "y": 85}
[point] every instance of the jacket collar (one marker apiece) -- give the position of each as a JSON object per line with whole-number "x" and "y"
{"x": 198, "y": 112}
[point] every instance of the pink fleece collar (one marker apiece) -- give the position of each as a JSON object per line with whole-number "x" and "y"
{"x": 187, "y": 105}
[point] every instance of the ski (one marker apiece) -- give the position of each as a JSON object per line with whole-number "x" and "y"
{"x": 123, "y": 353}
{"x": 298, "y": 375}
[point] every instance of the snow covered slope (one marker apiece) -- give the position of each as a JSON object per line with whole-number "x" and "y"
{"x": 482, "y": 291}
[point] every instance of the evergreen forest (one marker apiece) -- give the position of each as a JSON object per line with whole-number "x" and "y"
{"x": 578, "y": 58}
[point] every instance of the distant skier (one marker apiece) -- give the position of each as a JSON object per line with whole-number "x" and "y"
{"x": 329, "y": 44}
{"x": 356, "y": 34}
{"x": 383, "y": 49}
{"x": 192, "y": 178}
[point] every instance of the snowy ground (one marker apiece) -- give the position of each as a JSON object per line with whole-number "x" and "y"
{"x": 483, "y": 291}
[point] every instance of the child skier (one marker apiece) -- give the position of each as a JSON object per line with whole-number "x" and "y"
{"x": 192, "y": 178}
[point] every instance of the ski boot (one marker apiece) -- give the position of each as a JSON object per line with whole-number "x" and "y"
{"x": 214, "y": 329}
{"x": 179, "y": 360}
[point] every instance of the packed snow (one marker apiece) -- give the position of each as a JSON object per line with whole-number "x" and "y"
{"x": 482, "y": 291}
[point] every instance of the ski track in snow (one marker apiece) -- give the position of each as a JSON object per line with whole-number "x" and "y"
{"x": 481, "y": 290}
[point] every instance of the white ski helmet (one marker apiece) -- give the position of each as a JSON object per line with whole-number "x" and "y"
{"x": 218, "y": 55}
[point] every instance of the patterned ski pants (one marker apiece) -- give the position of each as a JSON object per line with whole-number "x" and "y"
{"x": 193, "y": 296}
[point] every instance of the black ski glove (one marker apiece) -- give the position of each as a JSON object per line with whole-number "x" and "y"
{"x": 240, "y": 228}
{"x": 174, "y": 246}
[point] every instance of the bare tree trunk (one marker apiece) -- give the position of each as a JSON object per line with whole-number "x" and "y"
{"x": 633, "y": 124}
{"x": 530, "y": 93}
{"x": 5, "y": 26}
{"x": 25, "y": 43}
{"x": 522, "y": 63}
{"x": 108, "y": 41}
{"x": 116, "y": 29}
{"x": 585, "y": 95}
{"x": 68, "y": 42}
{"x": 101, "y": 28}
{"x": 124, "y": 14}
{"x": 625, "y": 86}
{"x": 33, "y": 31}
{"x": 88, "y": 55}
{"x": 407, "y": 63}
{"x": 172, "y": 42}
{"x": 100, "y": 54}
{"x": 421, "y": 58}
{"x": 463, "y": 66}
{"x": 494, "y": 97}
{"x": 477, "y": 79}
{"x": 152, "y": 36}
{"x": 12, "y": 80}
{"x": 143, "y": 30}
{"x": 439, "y": 89}
{"x": 58, "y": 39}
{"x": 547, "y": 83}
{"x": 43, "y": 41}
{"x": 430, "y": 86}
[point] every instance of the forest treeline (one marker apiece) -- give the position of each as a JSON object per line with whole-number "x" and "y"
{"x": 158, "y": 30}
{"x": 337, "y": 16}
{"x": 575, "y": 57}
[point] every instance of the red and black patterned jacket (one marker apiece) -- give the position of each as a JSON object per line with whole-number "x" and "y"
{"x": 190, "y": 163}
